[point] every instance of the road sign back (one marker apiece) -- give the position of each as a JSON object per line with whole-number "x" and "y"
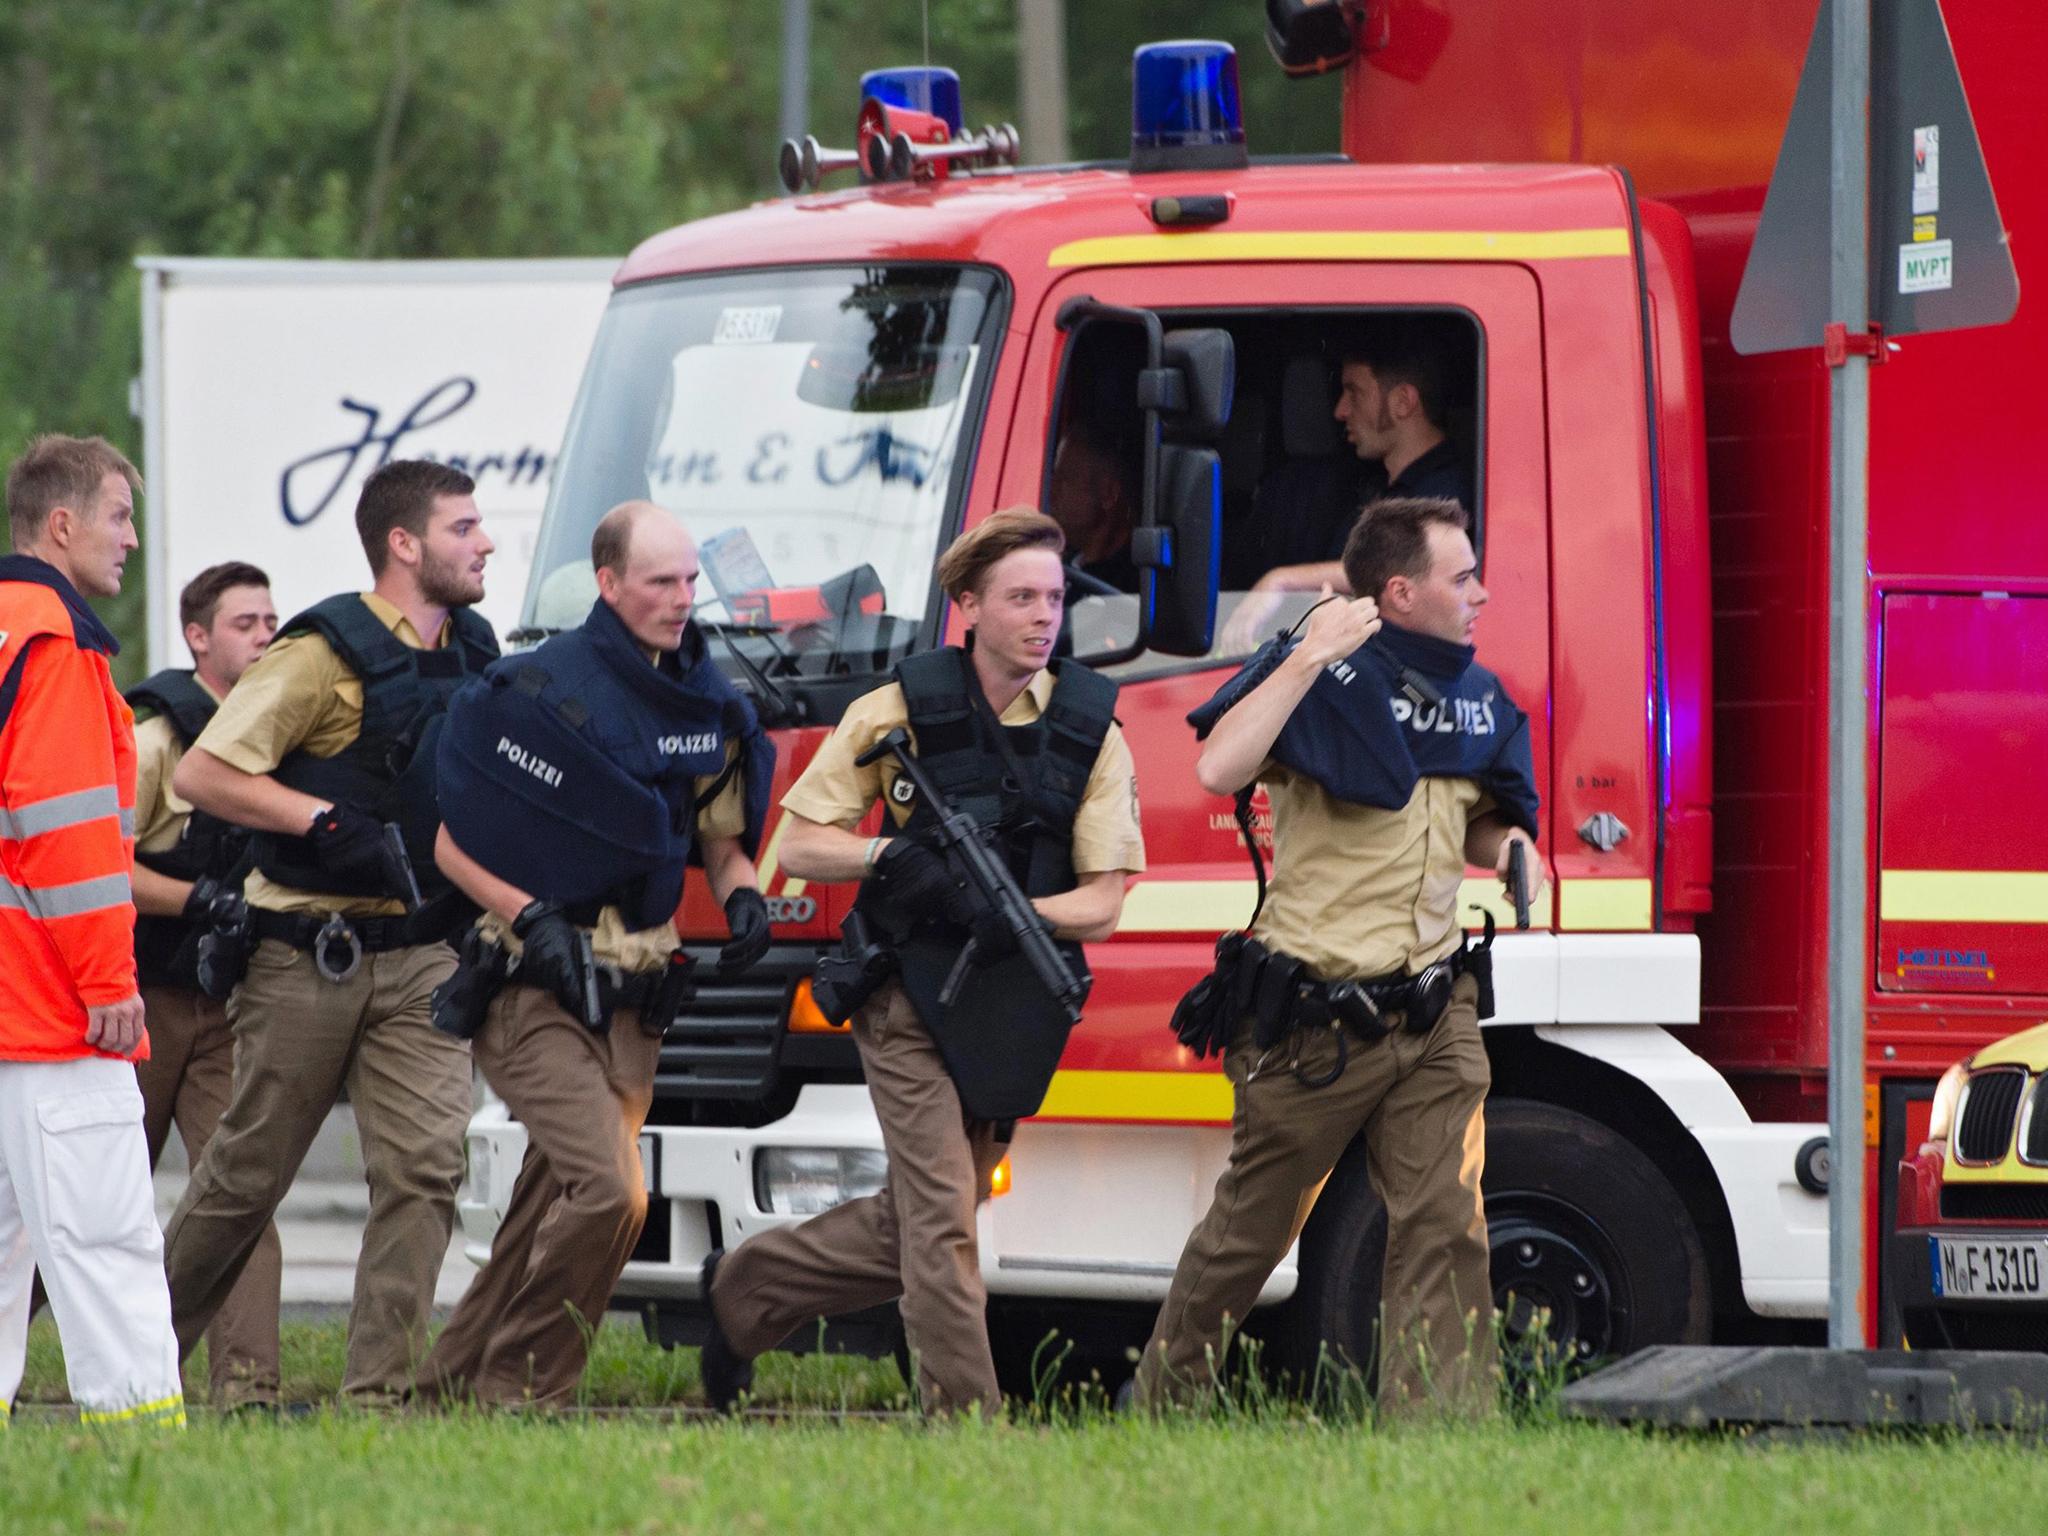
{"x": 1938, "y": 254}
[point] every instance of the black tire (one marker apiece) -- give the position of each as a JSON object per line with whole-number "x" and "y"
{"x": 1584, "y": 1227}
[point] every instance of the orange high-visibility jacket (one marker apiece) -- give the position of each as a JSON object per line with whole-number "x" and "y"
{"x": 67, "y": 818}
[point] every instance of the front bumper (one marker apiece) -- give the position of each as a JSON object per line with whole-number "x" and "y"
{"x": 1933, "y": 1320}
{"x": 1095, "y": 1212}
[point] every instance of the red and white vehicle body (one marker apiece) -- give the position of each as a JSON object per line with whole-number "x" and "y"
{"x": 1577, "y": 203}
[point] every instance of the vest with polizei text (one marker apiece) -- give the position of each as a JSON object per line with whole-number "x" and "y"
{"x": 572, "y": 771}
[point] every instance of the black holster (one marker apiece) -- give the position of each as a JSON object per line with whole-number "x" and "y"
{"x": 841, "y": 983}
{"x": 225, "y": 947}
{"x": 462, "y": 1001}
{"x": 670, "y": 993}
{"x": 1205, "y": 1016}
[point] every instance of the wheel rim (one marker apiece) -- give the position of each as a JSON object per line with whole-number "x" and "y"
{"x": 1556, "y": 1283}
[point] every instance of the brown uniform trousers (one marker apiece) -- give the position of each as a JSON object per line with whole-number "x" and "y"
{"x": 916, "y": 1239}
{"x": 521, "y": 1332}
{"x": 1418, "y": 1099}
{"x": 298, "y": 1040}
{"x": 187, "y": 1079}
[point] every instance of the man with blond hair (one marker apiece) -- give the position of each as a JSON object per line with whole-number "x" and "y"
{"x": 75, "y": 1198}
{"x": 1068, "y": 827}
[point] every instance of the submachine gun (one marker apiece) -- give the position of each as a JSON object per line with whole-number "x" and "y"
{"x": 1000, "y": 1022}
{"x": 961, "y": 837}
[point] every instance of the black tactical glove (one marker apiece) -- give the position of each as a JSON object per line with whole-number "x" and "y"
{"x": 993, "y": 940}
{"x": 554, "y": 958}
{"x": 347, "y": 842}
{"x": 746, "y": 915}
{"x": 198, "y": 906}
{"x": 917, "y": 881}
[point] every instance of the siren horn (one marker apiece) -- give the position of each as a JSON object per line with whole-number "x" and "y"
{"x": 997, "y": 145}
{"x": 802, "y": 165}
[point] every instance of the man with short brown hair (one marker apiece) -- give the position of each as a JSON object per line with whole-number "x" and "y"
{"x": 324, "y": 746}
{"x": 1391, "y": 759}
{"x": 186, "y": 865}
{"x": 1068, "y": 827}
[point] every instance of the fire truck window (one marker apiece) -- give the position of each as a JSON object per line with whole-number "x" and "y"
{"x": 1294, "y": 477}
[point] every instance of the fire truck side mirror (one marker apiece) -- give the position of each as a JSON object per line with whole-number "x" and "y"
{"x": 1206, "y": 360}
{"x": 1310, "y": 37}
{"x": 1178, "y": 552}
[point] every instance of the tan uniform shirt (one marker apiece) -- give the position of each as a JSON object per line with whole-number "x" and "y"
{"x": 836, "y": 792}
{"x": 1358, "y": 891}
{"x": 634, "y": 950}
{"x": 300, "y": 696}
{"x": 160, "y": 815}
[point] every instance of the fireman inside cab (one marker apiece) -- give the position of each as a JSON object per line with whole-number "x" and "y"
{"x": 1330, "y": 414}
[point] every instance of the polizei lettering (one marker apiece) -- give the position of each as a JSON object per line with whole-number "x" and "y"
{"x": 1470, "y": 717}
{"x": 688, "y": 746}
{"x": 519, "y": 757}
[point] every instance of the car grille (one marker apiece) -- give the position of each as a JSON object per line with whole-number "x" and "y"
{"x": 2034, "y": 1143}
{"x": 2024, "y": 1328}
{"x": 724, "y": 1044}
{"x": 1994, "y": 1202}
{"x": 1990, "y": 1101}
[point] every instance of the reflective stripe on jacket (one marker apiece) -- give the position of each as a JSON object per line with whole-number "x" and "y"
{"x": 67, "y": 829}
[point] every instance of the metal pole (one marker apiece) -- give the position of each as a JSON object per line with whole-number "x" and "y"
{"x": 796, "y": 67}
{"x": 1042, "y": 80}
{"x": 1848, "y": 704}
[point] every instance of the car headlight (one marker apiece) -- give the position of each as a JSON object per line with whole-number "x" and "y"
{"x": 802, "y": 1181}
{"x": 1942, "y": 1115}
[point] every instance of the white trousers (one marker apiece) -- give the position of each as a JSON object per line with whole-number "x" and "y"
{"x": 76, "y": 1203}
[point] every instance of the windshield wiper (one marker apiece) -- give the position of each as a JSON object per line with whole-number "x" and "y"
{"x": 789, "y": 709}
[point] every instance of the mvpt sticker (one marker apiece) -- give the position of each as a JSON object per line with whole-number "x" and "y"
{"x": 1927, "y": 267}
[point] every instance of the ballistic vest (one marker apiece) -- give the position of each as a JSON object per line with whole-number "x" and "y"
{"x": 571, "y": 770}
{"x": 167, "y": 948}
{"x": 387, "y": 772}
{"x": 1029, "y": 794}
{"x": 1002, "y": 1033}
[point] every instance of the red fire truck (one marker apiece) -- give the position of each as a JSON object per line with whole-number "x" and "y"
{"x": 827, "y": 387}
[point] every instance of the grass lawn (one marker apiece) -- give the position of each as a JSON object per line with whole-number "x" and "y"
{"x": 345, "y": 1473}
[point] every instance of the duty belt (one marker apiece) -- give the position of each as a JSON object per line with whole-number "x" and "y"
{"x": 1285, "y": 995}
{"x": 337, "y": 944}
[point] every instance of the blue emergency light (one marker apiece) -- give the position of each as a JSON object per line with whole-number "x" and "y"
{"x": 1185, "y": 111}
{"x": 927, "y": 89}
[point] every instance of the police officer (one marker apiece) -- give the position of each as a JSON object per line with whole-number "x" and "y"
{"x": 577, "y": 780}
{"x": 186, "y": 862}
{"x": 326, "y": 742}
{"x": 1392, "y": 760}
{"x": 1043, "y": 762}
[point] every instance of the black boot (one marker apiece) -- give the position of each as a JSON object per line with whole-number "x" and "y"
{"x": 726, "y": 1375}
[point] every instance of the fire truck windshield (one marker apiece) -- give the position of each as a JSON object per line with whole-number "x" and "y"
{"x": 811, "y": 427}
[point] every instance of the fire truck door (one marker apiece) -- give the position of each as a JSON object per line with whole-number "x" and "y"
{"x": 1490, "y": 309}
{"x": 1120, "y": 1162}
{"x": 1963, "y": 857}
